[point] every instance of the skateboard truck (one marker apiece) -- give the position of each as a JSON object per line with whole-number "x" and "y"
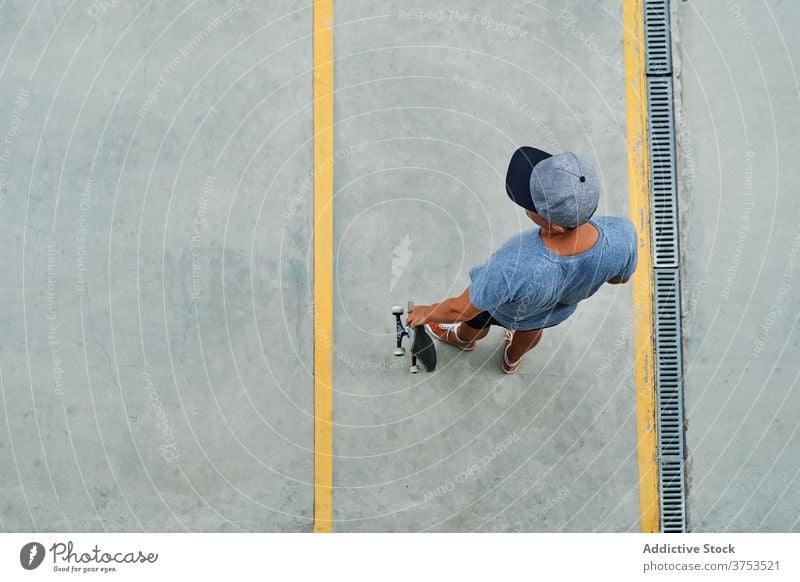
{"x": 422, "y": 347}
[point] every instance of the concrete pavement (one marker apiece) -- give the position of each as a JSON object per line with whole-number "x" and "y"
{"x": 739, "y": 159}
{"x": 155, "y": 328}
{"x": 433, "y": 99}
{"x": 156, "y": 178}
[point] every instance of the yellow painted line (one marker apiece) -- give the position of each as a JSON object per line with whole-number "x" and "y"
{"x": 323, "y": 265}
{"x": 639, "y": 185}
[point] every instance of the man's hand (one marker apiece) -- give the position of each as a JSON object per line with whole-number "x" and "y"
{"x": 418, "y": 315}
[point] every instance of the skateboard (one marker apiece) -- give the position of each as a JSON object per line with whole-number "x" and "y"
{"x": 422, "y": 347}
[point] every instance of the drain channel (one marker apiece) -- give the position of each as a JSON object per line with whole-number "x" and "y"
{"x": 666, "y": 266}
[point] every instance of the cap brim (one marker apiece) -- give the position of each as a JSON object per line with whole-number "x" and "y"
{"x": 518, "y": 177}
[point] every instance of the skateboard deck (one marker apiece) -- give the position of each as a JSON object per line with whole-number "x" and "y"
{"x": 422, "y": 346}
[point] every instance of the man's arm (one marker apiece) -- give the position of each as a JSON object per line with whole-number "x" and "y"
{"x": 633, "y": 259}
{"x": 448, "y": 311}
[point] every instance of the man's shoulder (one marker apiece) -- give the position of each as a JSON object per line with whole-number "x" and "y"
{"x": 521, "y": 242}
{"x": 516, "y": 254}
{"x": 615, "y": 221}
{"x": 617, "y": 225}
{"x": 525, "y": 234}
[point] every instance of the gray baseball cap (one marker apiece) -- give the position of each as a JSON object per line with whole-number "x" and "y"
{"x": 562, "y": 188}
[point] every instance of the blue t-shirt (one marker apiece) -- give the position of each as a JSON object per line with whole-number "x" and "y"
{"x": 524, "y": 285}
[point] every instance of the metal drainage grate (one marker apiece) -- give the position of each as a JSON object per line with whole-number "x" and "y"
{"x": 673, "y": 506}
{"x": 657, "y": 37}
{"x": 669, "y": 385}
{"x": 668, "y": 363}
{"x": 663, "y": 188}
{"x": 666, "y": 257}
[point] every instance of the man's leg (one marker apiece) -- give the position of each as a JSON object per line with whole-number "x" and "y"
{"x": 467, "y": 333}
{"x": 522, "y": 342}
{"x": 463, "y": 335}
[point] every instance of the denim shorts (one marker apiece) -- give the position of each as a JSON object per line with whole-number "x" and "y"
{"x": 482, "y": 320}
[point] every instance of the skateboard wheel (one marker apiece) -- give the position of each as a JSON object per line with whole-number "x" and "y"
{"x": 399, "y": 351}
{"x": 397, "y": 310}
{"x": 414, "y": 369}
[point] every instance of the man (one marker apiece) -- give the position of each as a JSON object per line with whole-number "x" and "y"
{"x": 538, "y": 277}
